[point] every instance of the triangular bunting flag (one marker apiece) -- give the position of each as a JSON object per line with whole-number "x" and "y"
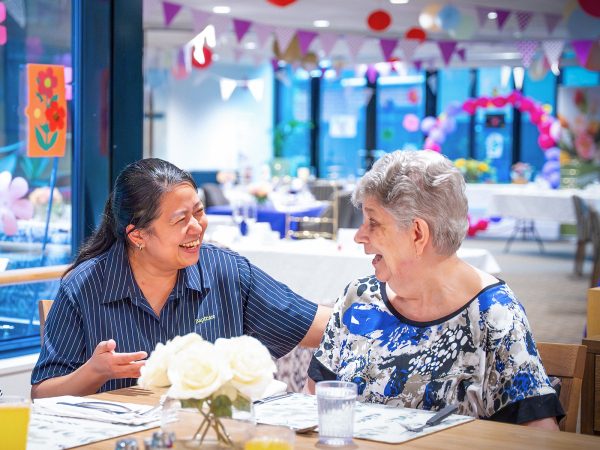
{"x": 523, "y": 19}
{"x": 262, "y": 32}
{"x": 170, "y": 10}
{"x": 241, "y": 27}
{"x": 221, "y": 23}
{"x": 503, "y": 15}
{"x": 387, "y": 47}
{"x": 527, "y": 50}
{"x": 200, "y": 19}
{"x": 553, "y": 50}
{"x": 284, "y": 36}
{"x": 418, "y": 63}
{"x": 354, "y": 43}
{"x": 408, "y": 47}
{"x": 305, "y": 38}
{"x": 16, "y": 8}
{"x": 552, "y": 21}
{"x": 482, "y": 14}
{"x": 328, "y": 41}
{"x": 582, "y": 50}
{"x": 446, "y": 48}
{"x": 462, "y": 54}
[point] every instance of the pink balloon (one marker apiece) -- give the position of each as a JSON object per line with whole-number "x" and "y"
{"x": 544, "y": 127}
{"x": 526, "y": 105}
{"x": 469, "y": 106}
{"x": 499, "y": 101}
{"x": 482, "y": 102}
{"x": 514, "y": 97}
{"x": 536, "y": 117}
{"x": 545, "y": 141}
{"x": 555, "y": 130}
{"x": 410, "y": 122}
{"x": 432, "y": 145}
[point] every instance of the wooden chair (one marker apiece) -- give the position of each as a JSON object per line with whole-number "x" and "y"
{"x": 584, "y": 236}
{"x": 44, "y": 309}
{"x": 595, "y": 237}
{"x": 567, "y": 362}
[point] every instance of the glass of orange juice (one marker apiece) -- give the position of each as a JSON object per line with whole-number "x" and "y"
{"x": 14, "y": 420}
{"x": 268, "y": 437}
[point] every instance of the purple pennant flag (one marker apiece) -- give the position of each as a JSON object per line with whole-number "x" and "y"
{"x": 482, "y": 14}
{"x": 418, "y": 63}
{"x": 447, "y": 48}
{"x": 305, "y": 38}
{"x": 387, "y": 47}
{"x": 275, "y": 64}
{"x": 241, "y": 27}
{"x": 262, "y": 32}
{"x": 503, "y": 15}
{"x": 200, "y": 19}
{"x": 328, "y": 41}
{"x": 552, "y": 21}
{"x": 523, "y": 19}
{"x": 170, "y": 10}
{"x": 462, "y": 53}
{"x": 582, "y": 50}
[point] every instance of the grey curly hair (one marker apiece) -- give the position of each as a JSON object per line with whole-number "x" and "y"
{"x": 420, "y": 184}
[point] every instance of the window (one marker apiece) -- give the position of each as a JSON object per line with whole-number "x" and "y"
{"x": 454, "y": 87}
{"x": 31, "y": 233}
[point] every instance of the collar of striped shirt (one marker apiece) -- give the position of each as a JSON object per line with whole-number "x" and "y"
{"x": 120, "y": 283}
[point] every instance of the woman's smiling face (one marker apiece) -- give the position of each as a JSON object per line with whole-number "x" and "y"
{"x": 381, "y": 236}
{"x": 173, "y": 239}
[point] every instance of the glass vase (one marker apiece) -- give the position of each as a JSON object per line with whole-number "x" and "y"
{"x": 208, "y": 424}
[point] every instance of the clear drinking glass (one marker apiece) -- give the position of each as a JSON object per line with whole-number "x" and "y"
{"x": 250, "y": 214}
{"x": 335, "y": 400}
{"x": 14, "y": 421}
{"x": 269, "y": 437}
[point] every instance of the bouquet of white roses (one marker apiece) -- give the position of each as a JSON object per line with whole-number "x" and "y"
{"x": 213, "y": 378}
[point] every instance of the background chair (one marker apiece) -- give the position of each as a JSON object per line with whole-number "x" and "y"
{"x": 213, "y": 195}
{"x": 44, "y": 309}
{"x": 584, "y": 236}
{"x": 594, "y": 221}
{"x": 567, "y": 362}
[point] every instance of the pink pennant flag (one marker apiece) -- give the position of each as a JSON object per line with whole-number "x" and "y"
{"x": 462, "y": 54}
{"x": 354, "y": 43}
{"x": 482, "y": 14}
{"x": 328, "y": 41}
{"x": 418, "y": 63}
{"x": 263, "y": 33}
{"x": 387, "y": 47}
{"x": 552, "y": 20}
{"x": 200, "y": 19}
{"x": 305, "y": 38}
{"x": 408, "y": 47}
{"x": 447, "y": 49}
{"x": 241, "y": 27}
{"x": 582, "y": 50}
{"x": 503, "y": 15}
{"x": 527, "y": 50}
{"x": 553, "y": 50}
{"x": 170, "y": 10}
{"x": 284, "y": 36}
{"x": 523, "y": 19}
{"x": 221, "y": 23}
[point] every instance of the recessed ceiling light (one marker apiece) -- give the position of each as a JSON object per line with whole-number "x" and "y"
{"x": 321, "y": 23}
{"x": 250, "y": 45}
{"x": 399, "y": 2}
{"x": 221, "y": 10}
{"x": 492, "y": 15}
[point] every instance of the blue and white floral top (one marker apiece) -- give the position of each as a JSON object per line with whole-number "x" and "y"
{"x": 481, "y": 357}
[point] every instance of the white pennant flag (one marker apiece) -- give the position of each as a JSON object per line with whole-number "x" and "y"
{"x": 256, "y": 88}
{"x": 553, "y": 50}
{"x": 227, "y": 86}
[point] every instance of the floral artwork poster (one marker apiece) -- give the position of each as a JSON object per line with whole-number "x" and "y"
{"x": 46, "y": 110}
{"x": 579, "y": 115}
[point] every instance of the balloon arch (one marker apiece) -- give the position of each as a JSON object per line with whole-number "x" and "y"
{"x": 438, "y": 128}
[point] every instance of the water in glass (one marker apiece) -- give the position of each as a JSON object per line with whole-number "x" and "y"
{"x": 336, "y": 401}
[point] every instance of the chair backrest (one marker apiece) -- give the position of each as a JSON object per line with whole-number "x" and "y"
{"x": 582, "y": 216}
{"x": 567, "y": 362}
{"x": 214, "y": 195}
{"x": 44, "y": 309}
{"x": 595, "y": 238}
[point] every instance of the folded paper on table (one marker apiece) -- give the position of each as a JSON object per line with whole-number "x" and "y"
{"x": 373, "y": 422}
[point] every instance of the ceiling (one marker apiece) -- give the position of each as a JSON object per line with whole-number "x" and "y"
{"x": 487, "y": 46}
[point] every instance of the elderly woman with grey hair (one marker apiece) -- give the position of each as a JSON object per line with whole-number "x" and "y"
{"x": 427, "y": 329}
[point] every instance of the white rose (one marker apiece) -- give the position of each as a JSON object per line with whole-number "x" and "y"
{"x": 183, "y": 342}
{"x": 154, "y": 372}
{"x": 251, "y": 365}
{"x": 196, "y": 372}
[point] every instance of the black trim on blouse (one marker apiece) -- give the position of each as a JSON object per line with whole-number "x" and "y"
{"x": 531, "y": 408}
{"x": 318, "y": 372}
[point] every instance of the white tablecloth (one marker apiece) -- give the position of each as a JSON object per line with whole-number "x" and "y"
{"x": 319, "y": 269}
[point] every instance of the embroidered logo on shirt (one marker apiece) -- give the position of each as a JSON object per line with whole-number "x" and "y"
{"x": 204, "y": 319}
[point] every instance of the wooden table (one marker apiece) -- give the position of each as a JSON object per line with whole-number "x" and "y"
{"x": 590, "y": 390}
{"x": 476, "y": 434}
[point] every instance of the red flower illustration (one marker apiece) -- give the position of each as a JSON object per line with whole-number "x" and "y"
{"x": 56, "y": 117}
{"x": 47, "y": 81}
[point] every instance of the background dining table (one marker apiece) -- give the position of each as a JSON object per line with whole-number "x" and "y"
{"x": 474, "y": 434}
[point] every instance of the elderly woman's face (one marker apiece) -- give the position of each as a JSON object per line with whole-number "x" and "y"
{"x": 174, "y": 239}
{"x": 382, "y": 237}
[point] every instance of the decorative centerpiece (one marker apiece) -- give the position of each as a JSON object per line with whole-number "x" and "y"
{"x": 475, "y": 171}
{"x": 520, "y": 173}
{"x": 214, "y": 379}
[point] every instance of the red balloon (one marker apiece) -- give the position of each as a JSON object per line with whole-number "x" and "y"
{"x": 379, "y": 20}
{"x": 592, "y": 7}
{"x": 207, "y": 58}
{"x": 545, "y": 141}
{"x": 281, "y": 3}
{"x": 415, "y": 33}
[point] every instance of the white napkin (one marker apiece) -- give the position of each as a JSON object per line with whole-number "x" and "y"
{"x": 54, "y": 406}
{"x": 275, "y": 387}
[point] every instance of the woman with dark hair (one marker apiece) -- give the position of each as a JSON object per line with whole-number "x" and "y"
{"x": 144, "y": 277}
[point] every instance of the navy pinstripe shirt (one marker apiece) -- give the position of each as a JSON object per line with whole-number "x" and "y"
{"x": 221, "y": 296}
